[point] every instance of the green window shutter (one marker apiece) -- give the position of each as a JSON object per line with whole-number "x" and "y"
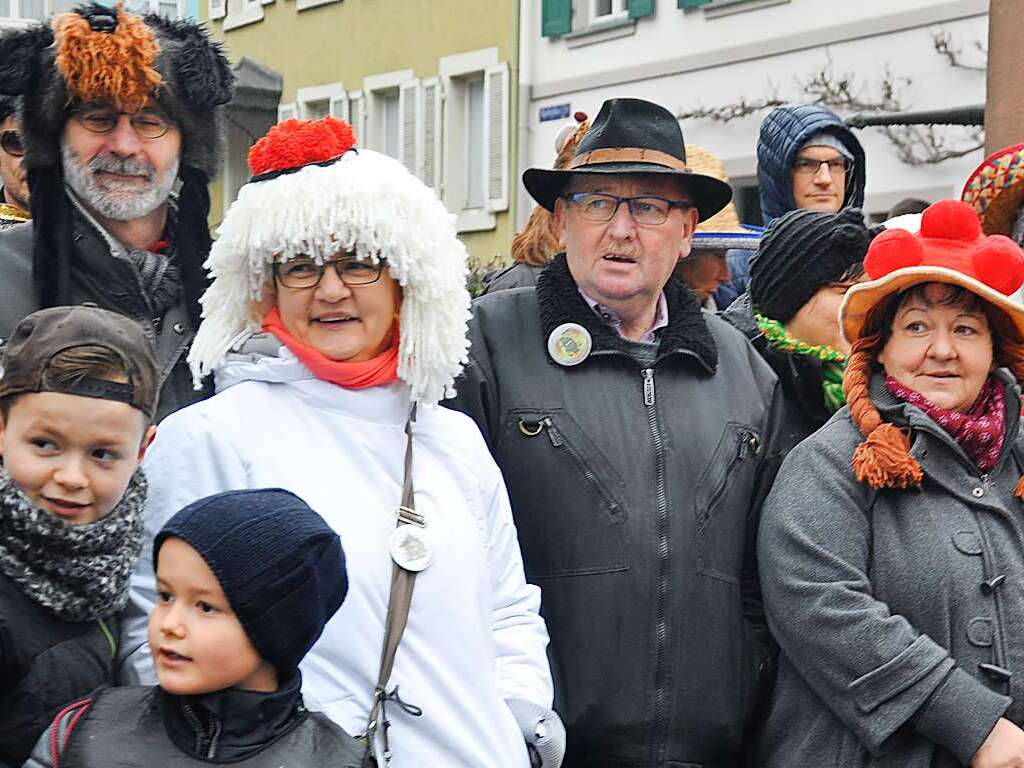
{"x": 638, "y": 8}
{"x": 556, "y": 18}
{"x": 692, "y": 3}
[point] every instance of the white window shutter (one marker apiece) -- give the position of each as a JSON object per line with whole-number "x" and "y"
{"x": 339, "y": 106}
{"x": 496, "y": 109}
{"x": 285, "y": 112}
{"x": 218, "y": 9}
{"x": 431, "y": 133}
{"x": 357, "y": 116}
{"x": 408, "y": 124}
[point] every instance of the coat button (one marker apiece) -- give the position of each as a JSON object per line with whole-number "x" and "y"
{"x": 979, "y": 632}
{"x": 1002, "y": 674}
{"x": 179, "y": 328}
{"x": 977, "y": 492}
{"x": 990, "y": 586}
{"x": 967, "y": 542}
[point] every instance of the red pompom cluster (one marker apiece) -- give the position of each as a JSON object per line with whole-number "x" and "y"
{"x": 950, "y": 237}
{"x": 295, "y": 143}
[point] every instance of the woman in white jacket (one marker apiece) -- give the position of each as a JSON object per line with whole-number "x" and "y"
{"x": 337, "y": 310}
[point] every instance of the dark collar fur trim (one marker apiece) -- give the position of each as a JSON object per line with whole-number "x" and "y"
{"x": 560, "y": 302}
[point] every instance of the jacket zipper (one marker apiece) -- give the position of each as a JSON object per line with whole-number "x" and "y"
{"x": 749, "y": 445}
{"x": 204, "y": 737}
{"x": 661, "y": 623}
{"x": 559, "y": 442}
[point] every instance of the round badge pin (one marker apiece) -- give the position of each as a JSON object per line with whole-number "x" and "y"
{"x": 569, "y": 344}
{"x": 410, "y": 547}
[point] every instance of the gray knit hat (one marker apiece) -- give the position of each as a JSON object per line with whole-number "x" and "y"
{"x": 801, "y": 252}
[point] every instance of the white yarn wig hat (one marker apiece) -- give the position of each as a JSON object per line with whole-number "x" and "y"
{"x": 313, "y": 194}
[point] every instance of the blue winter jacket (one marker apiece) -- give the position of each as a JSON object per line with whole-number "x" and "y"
{"x": 783, "y": 132}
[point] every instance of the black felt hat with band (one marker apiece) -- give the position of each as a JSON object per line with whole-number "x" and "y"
{"x": 631, "y": 136}
{"x": 43, "y": 335}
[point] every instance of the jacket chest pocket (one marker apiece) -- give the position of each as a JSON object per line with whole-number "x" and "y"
{"x": 723, "y": 498}
{"x": 566, "y": 497}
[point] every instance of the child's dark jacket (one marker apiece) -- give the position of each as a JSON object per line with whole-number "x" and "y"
{"x": 145, "y": 726}
{"x": 45, "y": 662}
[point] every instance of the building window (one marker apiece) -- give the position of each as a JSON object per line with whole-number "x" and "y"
{"x": 171, "y": 9}
{"x": 317, "y": 101}
{"x": 608, "y": 10}
{"x": 383, "y": 105}
{"x": 475, "y": 140}
{"x": 474, "y": 145}
{"x": 387, "y": 115}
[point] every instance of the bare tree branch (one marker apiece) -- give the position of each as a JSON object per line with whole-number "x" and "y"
{"x": 946, "y": 47}
{"x": 929, "y": 144}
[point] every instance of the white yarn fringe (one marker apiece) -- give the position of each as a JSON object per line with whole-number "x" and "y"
{"x": 365, "y": 203}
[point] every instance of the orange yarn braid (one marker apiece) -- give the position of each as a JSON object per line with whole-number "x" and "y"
{"x": 112, "y": 66}
{"x": 1011, "y": 355}
{"x": 883, "y": 459}
{"x": 538, "y": 241}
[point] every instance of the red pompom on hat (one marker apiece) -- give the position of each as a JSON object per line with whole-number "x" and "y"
{"x": 294, "y": 144}
{"x": 949, "y": 248}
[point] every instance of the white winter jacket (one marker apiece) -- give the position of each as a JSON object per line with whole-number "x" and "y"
{"x": 474, "y": 638}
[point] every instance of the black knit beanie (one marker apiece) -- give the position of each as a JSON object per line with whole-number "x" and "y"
{"x": 281, "y": 566}
{"x": 801, "y": 252}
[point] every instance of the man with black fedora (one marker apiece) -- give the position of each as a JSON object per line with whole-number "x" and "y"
{"x": 635, "y": 433}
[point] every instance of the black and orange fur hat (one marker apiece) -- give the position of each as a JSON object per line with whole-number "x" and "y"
{"x": 99, "y": 53}
{"x": 96, "y": 52}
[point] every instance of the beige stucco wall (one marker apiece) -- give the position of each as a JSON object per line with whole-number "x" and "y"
{"x": 352, "y": 39}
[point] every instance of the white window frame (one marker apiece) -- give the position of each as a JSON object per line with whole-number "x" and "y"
{"x": 241, "y": 13}
{"x": 374, "y": 88}
{"x": 453, "y": 72}
{"x": 620, "y": 10}
{"x": 303, "y": 5}
{"x": 287, "y": 111}
{"x": 328, "y": 92}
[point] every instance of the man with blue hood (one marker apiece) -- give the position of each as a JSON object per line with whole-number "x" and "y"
{"x": 807, "y": 158}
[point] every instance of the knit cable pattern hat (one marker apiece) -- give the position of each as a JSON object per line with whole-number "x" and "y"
{"x": 314, "y": 194}
{"x": 801, "y": 252}
{"x": 949, "y": 248}
{"x": 281, "y": 566}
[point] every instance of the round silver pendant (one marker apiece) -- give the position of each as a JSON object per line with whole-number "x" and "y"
{"x": 410, "y": 547}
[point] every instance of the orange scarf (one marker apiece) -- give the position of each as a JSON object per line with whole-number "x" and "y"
{"x": 382, "y": 369}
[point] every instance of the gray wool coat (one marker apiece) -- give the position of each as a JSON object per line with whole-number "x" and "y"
{"x": 899, "y": 613}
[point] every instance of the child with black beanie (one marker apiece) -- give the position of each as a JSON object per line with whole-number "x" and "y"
{"x": 246, "y": 581}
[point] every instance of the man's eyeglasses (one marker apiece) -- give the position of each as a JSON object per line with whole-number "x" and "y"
{"x": 307, "y": 273}
{"x": 147, "y": 123}
{"x": 10, "y": 142}
{"x": 809, "y": 166}
{"x": 646, "y": 210}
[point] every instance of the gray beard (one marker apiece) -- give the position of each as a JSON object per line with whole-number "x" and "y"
{"x": 118, "y": 201}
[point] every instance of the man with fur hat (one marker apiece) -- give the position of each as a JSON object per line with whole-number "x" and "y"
{"x": 117, "y": 109}
{"x": 634, "y": 432}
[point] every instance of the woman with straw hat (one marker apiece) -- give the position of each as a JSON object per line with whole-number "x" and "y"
{"x": 890, "y": 546}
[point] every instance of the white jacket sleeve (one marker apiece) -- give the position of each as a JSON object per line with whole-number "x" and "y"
{"x": 520, "y": 635}
{"x": 187, "y": 461}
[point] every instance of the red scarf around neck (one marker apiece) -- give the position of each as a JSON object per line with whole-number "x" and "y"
{"x": 980, "y": 431}
{"x": 382, "y": 369}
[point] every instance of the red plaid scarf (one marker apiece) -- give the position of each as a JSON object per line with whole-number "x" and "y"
{"x": 980, "y": 431}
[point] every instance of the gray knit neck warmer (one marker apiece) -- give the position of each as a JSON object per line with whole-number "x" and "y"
{"x": 77, "y": 572}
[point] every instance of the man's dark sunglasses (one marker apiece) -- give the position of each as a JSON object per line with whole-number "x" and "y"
{"x": 10, "y": 142}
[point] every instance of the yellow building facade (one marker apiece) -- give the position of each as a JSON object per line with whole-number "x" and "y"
{"x": 432, "y": 84}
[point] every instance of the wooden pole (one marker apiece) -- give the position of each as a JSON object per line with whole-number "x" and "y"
{"x": 1004, "y": 107}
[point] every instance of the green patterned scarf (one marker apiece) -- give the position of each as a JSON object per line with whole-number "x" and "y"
{"x": 833, "y": 362}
